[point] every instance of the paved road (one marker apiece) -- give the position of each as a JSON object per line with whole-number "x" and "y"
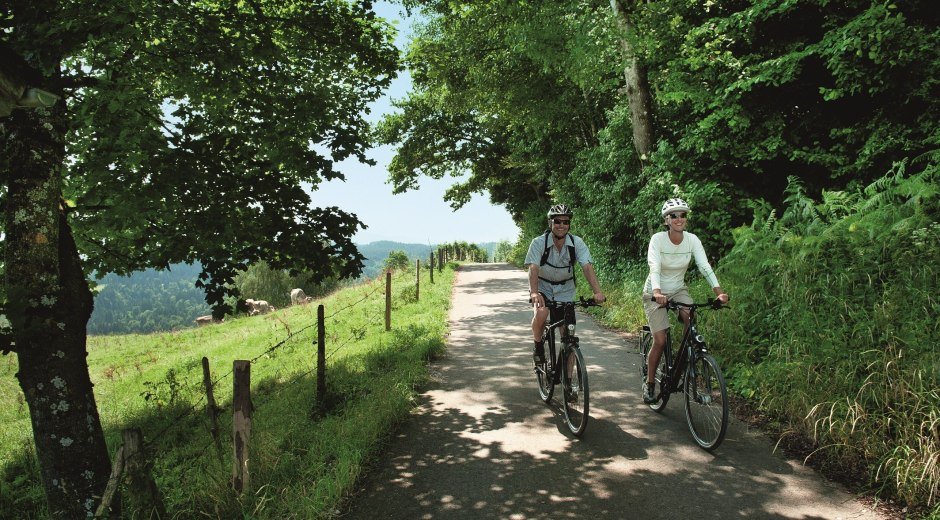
{"x": 482, "y": 444}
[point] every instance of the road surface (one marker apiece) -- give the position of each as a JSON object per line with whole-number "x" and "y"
{"x": 482, "y": 445}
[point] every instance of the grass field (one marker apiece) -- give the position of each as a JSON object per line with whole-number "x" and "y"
{"x": 302, "y": 461}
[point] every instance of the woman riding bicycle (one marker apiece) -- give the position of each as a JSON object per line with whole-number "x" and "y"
{"x": 669, "y": 255}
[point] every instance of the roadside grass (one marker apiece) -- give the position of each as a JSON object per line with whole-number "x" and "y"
{"x": 303, "y": 460}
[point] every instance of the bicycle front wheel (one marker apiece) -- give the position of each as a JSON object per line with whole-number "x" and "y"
{"x": 543, "y": 373}
{"x": 576, "y": 395}
{"x": 706, "y": 401}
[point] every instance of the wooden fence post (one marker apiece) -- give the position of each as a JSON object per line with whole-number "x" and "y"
{"x": 143, "y": 496}
{"x": 241, "y": 424}
{"x": 417, "y": 280}
{"x": 211, "y": 409}
{"x": 440, "y": 261}
{"x": 110, "y": 491}
{"x": 431, "y": 265}
{"x": 321, "y": 359}
{"x": 388, "y": 300}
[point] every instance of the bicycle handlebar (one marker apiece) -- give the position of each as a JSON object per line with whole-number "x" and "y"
{"x": 674, "y": 305}
{"x": 590, "y": 302}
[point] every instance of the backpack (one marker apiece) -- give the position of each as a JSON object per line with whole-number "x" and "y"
{"x": 571, "y": 259}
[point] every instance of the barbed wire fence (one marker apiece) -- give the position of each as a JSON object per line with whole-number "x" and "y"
{"x": 131, "y": 457}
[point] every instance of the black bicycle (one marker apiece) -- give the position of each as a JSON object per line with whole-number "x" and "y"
{"x": 694, "y": 372}
{"x": 574, "y": 380}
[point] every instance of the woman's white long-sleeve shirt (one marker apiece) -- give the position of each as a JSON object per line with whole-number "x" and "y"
{"x": 668, "y": 262}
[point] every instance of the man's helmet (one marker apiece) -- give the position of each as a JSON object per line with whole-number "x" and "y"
{"x": 559, "y": 209}
{"x": 674, "y": 205}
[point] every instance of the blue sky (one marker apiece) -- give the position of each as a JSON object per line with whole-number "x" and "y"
{"x": 420, "y": 216}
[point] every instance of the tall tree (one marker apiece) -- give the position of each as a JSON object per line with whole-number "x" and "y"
{"x": 263, "y": 96}
{"x": 637, "y": 84}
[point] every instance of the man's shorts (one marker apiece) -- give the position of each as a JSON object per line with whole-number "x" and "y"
{"x": 558, "y": 313}
{"x": 657, "y": 316}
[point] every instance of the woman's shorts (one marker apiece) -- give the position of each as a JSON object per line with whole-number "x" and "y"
{"x": 657, "y": 316}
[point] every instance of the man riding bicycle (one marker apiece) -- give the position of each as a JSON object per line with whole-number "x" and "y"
{"x": 551, "y": 260}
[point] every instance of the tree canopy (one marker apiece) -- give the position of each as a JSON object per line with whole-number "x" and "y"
{"x": 745, "y": 95}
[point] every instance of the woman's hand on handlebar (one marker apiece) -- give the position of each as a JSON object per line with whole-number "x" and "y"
{"x": 660, "y": 298}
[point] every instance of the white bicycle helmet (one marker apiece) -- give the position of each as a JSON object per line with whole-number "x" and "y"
{"x": 559, "y": 209}
{"x": 674, "y": 205}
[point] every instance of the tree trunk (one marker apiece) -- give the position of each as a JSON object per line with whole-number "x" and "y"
{"x": 637, "y": 87}
{"x": 49, "y": 304}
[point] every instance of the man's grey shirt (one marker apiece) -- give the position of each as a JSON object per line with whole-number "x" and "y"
{"x": 563, "y": 292}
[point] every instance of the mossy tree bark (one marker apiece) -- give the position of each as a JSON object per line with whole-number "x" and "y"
{"x": 49, "y": 304}
{"x": 637, "y": 86}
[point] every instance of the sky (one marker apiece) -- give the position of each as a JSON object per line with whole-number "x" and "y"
{"x": 418, "y": 216}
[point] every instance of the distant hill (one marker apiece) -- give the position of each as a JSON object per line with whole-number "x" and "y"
{"x": 377, "y": 252}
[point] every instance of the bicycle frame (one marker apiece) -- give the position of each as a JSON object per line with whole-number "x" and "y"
{"x": 568, "y": 340}
{"x": 691, "y": 340}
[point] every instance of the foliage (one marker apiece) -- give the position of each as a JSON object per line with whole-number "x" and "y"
{"x": 304, "y": 464}
{"x": 503, "y": 251}
{"x": 261, "y": 282}
{"x": 462, "y": 251}
{"x": 833, "y": 326}
{"x": 397, "y": 261}
{"x": 494, "y": 99}
{"x": 191, "y": 124}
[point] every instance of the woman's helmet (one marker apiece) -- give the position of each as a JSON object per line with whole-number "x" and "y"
{"x": 674, "y": 205}
{"x": 559, "y": 209}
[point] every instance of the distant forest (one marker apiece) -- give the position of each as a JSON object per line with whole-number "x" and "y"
{"x": 148, "y": 301}
{"x": 151, "y": 300}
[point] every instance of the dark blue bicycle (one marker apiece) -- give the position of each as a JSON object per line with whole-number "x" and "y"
{"x": 694, "y": 372}
{"x": 567, "y": 368}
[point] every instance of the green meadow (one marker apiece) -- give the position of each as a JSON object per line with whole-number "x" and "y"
{"x": 303, "y": 459}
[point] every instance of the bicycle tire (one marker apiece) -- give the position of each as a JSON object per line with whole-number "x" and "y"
{"x": 544, "y": 373}
{"x": 706, "y": 401}
{"x": 665, "y": 361}
{"x": 576, "y": 394}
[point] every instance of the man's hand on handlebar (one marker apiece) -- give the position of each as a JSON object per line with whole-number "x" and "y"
{"x": 536, "y": 299}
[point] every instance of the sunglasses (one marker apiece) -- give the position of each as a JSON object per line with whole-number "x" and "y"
{"x": 678, "y": 215}
{"x": 561, "y": 222}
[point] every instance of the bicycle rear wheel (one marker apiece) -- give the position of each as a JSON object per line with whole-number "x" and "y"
{"x": 706, "y": 401}
{"x": 576, "y": 392}
{"x": 646, "y": 343}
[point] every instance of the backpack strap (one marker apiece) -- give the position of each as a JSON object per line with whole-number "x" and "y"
{"x": 571, "y": 258}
